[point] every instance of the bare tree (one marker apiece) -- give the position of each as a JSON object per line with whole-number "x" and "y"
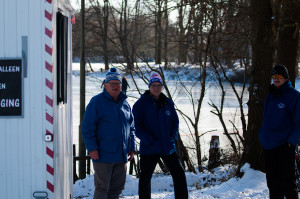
{"x": 182, "y": 150}
{"x": 158, "y": 32}
{"x": 182, "y": 53}
{"x": 166, "y": 21}
{"x": 262, "y": 61}
{"x": 105, "y": 30}
{"x": 218, "y": 111}
{"x": 288, "y": 20}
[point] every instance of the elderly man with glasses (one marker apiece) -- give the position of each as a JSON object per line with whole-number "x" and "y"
{"x": 108, "y": 133}
{"x": 279, "y": 134}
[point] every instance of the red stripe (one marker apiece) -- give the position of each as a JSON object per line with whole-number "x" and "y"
{"x": 48, "y": 132}
{"x": 50, "y": 169}
{"x": 49, "y": 67}
{"x": 49, "y": 152}
{"x": 48, "y": 49}
{"x": 48, "y": 32}
{"x": 48, "y": 15}
{"x": 49, "y": 84}
{"x": 49, "y": 118}
{"x": 49, "y": 101}
{"x": 50, "y": 186}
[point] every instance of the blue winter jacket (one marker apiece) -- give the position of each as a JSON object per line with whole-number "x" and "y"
{"x": 108, "y": 127}
{"x": 156, "y": 124}
{"x": 281, "y": 122}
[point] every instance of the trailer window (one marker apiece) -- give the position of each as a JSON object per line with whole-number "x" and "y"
{"x": 62, "y": 57}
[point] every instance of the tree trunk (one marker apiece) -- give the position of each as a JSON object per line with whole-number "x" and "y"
{"x": 181, "y": 46}
{"x": 158, "y": 30}
{"x": 166, "y": 17}
{"x": 184, "y": 155}
{"x": 105, "y": 50}
{"x": 288, "y": 37}
{"x": 198, "y": 17}
{"x": 124, "y": 36}
{"x": 262, "y": 61}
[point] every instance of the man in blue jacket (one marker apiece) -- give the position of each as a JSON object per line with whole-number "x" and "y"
{"x": 108, "y": 133}
{"x": 279, "y": 134}
{"x": 156, "y": 124}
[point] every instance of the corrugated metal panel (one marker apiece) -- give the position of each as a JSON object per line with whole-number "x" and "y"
{"x": 37, "y": 96}
{"x": 24, "y": 143}
{"x": 22, "y": 147}
{"x": 3, "y": 151}
{"x": 64, "y": 137}
{"x": 2, "y": 25}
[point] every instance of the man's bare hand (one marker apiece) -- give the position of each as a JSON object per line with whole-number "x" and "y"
{"x": 130, "y": 155}
{"x": 94, "y": 155}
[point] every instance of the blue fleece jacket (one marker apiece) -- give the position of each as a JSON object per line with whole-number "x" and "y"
{"x": 108, "y": 127}
{"x": 281, "y": 122}
{"x": 156, "y": 124}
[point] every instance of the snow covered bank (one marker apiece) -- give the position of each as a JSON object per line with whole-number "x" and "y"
{"x": 251, "y": 185}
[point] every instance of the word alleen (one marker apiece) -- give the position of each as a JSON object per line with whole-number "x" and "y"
{"x": 9, "y": 69}
{"x": 7, "y": 103}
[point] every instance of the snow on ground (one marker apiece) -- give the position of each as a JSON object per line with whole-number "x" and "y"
{"x": 206, "y": 185}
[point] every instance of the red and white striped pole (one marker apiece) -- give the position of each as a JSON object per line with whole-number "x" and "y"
{"x": 49, "y": 97}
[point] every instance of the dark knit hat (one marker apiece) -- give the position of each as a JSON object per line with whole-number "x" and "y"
{"x": 112, "y": 74}
{"x": 154, "y": 77}
{"x": 280, "y": 69}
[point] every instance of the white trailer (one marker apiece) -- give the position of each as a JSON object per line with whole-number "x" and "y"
{"x": 35, "y": 99}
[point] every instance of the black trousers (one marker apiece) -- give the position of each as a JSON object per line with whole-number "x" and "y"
{"x": 148, "y": 164}
{"x": 280, "y": 172}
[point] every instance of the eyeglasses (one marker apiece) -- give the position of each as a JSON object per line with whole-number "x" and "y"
{"x": 156, "y": 86}
{"x": 114, "y": 83}
{"x": 277, "y": 77}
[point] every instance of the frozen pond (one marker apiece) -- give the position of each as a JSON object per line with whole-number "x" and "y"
{"x": 208, "y": 121}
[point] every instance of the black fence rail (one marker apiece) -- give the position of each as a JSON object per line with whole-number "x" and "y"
{"x": 133, "y": 166}
{"x": 76, "y": 158}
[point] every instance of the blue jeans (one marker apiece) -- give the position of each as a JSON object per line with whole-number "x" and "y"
{"x": 109, "y": 179}
{"x": 148, "y": 164}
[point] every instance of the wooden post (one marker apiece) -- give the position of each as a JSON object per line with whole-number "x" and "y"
{"x": 131, "y": 165}
{"x": 88, "y": 164}
{"x": 75, "y": 176}
{"x": 214, "y": 152}
{"x": 82, "y": 150}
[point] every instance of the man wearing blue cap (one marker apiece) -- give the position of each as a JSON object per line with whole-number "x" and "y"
{"x": 157, "y": 124}
{"x": 279, "y": 134}
{"x": 108, "y": 133}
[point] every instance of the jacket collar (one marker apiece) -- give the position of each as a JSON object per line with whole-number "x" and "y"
{"x": 121, "y": 97}
{"x": 162, "y": 100}
{"x": 279, "y": 91}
